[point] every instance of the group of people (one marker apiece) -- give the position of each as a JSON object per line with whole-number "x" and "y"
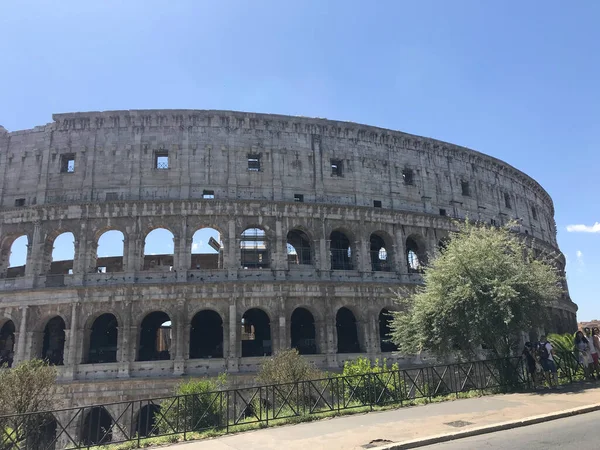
{"x": 541, "y": 365}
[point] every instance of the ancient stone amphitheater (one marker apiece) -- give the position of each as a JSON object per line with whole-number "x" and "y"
{"x": 312, "y": 224}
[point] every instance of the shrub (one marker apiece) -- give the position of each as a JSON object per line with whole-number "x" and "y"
{"x": 372, "y": 383}
{"x": 287, "y": 367}
{"x": 197, "y": 407}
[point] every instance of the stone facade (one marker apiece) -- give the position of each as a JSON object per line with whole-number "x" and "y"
{"x": 388, "y": 198}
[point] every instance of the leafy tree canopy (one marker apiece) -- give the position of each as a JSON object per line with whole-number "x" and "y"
{"x": 483, "y": 289}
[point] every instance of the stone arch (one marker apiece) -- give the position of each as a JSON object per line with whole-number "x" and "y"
{"x": 207, "y": 248}
{"x": 347, "y": 331}
{"x": 254, "y": 249}
{"x": 416, "y": 257}
{"x": 341, "y": 250}
{"x": 303, "y": 331}
{"x": 206, "y": 335}
{"x": 13, "y": 255}
{"x": 159, "y": 249}
{"x": 145, "y": 423}
{"x": 155, "y": 337}
{"x": 97, "y": 425}
{"x": 256, "y": 333}
{"x": 109, "y": 251}
{"x": 384, "y": 330}
{"x": 299, "y": 248}
{"x": 381, "y": 251}
{"x": 61, "y": 252}
{"x": 103, "y": 339}
{"x": 7, "y": 342}
{"x": 53, "y": 344}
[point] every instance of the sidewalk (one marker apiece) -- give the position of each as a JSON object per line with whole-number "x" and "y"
{"x": 405, "y": 424}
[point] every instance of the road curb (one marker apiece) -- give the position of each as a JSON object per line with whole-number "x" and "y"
{"x": 421, "y": 442}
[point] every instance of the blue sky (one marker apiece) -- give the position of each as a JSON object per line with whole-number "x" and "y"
{"x": 516, "y": 80}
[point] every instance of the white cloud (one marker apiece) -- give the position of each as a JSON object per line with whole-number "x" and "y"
{"x": 196, "y": 245}
{"x": 584, "y": 228}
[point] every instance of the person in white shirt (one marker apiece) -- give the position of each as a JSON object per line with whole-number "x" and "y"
{"x": 546, "y": 354}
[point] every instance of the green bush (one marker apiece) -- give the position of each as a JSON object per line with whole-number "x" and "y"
{"x": 197, "y": 407}
{"x": 287, "y": 367}
{"x": 372, "y": 383}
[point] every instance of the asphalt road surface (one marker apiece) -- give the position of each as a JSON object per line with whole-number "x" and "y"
{"x": 577, "y": 432}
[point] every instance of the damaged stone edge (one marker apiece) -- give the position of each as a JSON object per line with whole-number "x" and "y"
{"x": 489, "y": 428}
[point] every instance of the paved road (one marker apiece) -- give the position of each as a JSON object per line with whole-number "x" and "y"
{"x": 577, "y": 432}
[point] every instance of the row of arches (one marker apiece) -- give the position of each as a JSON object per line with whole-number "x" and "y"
{"x": 207, "y": 251}
{"x": 155, "y": 339}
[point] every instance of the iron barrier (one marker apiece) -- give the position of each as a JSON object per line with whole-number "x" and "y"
{"x": 231, "y": 410}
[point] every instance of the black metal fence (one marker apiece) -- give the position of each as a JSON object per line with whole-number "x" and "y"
{"x": 235, "y": 409}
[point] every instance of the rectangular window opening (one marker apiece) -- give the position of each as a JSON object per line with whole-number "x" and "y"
{"x": 337, "y": 169}
{"x": 442, "y": 212}
{"x": 464, "y": 185}
{"x": 20, "y": 202}
{"x": 112, "y": 196}
{"x": 377, "y": 203}
{"x": 299, "y": 198}
{"x": 507, "y": 200}
{"x": 253, "y": 162}
{"x": 67, "y": 163}
{"x": 534, "y": 213}
{"x": 407, "y": 177}
{"x": 101, "y": 269}
{"x": 208, "y": 194}
{"x": 161, "y": 160}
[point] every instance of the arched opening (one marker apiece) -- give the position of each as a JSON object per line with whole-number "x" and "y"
{"x": 158, "y": 250}
{"x": 110, "y": 252}
{"x": 298, "y": 248}
{"x": 155, "y": 337}
{"x": 303, "y": 332}
{"x": 41, "y": 433}
{"x": 17, "y": 260}
{"x": 145, "y": 425}
{"x": 380, "y": 261}
{"x": 53, "y": 347}
{"x": 385, "y": 343}
{"x": 206, "y": 335}
{"x": 414, "y": 256}
{"x": 347, "y": 333}
{"x": 341, "y": 251}
{"x": 254, "y": 249}
{"x": 207, "y": 249}
{"x": 256, "y": 333}
{"x": 103, "y": 340}
{"x": 97, "y": 427}
{"x": 63, "y": 254}
{"x": 7, "y": 343}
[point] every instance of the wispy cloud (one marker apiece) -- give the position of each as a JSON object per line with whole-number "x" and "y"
{"x": 584, "y": 228}
{"x": 196, "y": 245}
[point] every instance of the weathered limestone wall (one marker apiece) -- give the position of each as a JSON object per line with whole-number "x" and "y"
{"x": 115, "y": 185}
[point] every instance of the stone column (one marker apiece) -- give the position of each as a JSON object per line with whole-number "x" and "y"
{"x": 232, "y": 260}
{"x": 179, "y": 365}
{"x": 330, "y": 345}
{"x": 324, "y": 245}
{"x": 35, "y": 251}
{"x": 400, "y": 260}
{"x": 71, "y": 353}
{"x": 20, "y": 338}
{"x": 280, "y": 255}
{"x": 124, "y": 341}
{"x": 232, "y": 356}
{"x": 361, "y": 259}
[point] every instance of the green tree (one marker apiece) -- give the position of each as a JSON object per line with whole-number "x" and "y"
{"x": 287, "y": 366}
{"x": 483, "y": 289}
{"x": 27, "y": 388}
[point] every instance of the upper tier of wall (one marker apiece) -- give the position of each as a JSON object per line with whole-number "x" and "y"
{"x": 115, "y": 159}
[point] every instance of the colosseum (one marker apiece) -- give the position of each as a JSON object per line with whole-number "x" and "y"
{"x": 276, "y": 232}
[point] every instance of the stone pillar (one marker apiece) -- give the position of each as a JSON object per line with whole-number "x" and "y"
{"x": 361, "y": 259}
{"x": 20, "y": 338}
{"x": 124, "y": 342}
{"x": 232, "y": 356}
{"x": 35, "y": 252}
{"x": 284, "y": 338}
{"x": 279, "y": 257}
{"x": 331, "y": 342}
{"x": 179, "y": 364}
{"x": 324, "y": 246}
{"x": 134, "y": 336}
{"x": 400, "y": 260}
{"x": 74, "y": 349}
{"x": 362, "y": 330}
{"x": 321, "y": 336}
{"x": 232, "y": 252}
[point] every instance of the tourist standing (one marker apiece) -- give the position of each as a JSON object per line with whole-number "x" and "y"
{"x": 546, "y": 354}
{"x": 582, "y": 347}
{"x": 529, "y": 355}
